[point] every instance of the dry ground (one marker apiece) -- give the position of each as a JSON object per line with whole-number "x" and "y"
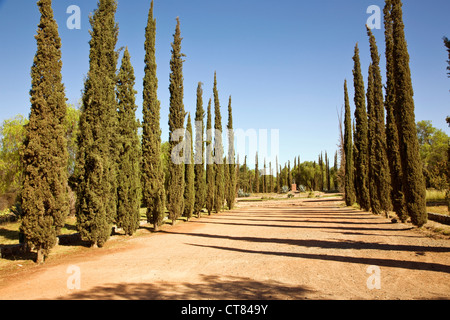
{"x": 292, "y": 249}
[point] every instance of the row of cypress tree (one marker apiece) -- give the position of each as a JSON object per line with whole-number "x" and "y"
{"x": 383, "y": 169}
{"x": 114, "y": 173}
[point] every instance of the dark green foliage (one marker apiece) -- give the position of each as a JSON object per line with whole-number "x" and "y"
{"x": 219, "y": 166}
{"x": 447, "y": 45}
{"x": 348, "y": 150}
{"x": 128, "y": 169}
{"x": 189, "y": 191}
{"x": 210, "y": 186}
{"x": 95, "y": 172}
{"x": 154, "y": 196}
{"x": 175, "y": 192}
{"x": 226, "y": 178}
{"x": 230, "y": 166}
{"x": 45, "y": 202}
{"x": 199, "y": 166}
{"x": 413, "y": 180}
{"x": 392, "y": 138}
{"x": 361, "y": 138}
{"x": 256, "y": 180}
{"x": 379, "y": 167}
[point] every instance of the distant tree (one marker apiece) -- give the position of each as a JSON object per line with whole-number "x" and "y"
{"x": 175, "y": 192}
{"x": 328, "y": 173}
{"x": 392, "y": 136}
{"x": 210, "y": 176}
{"x": 154, "y": 195}
{"x": 361, "y": 138}
{"x": 12, "y": 136}
{"x": 199, "y": 166}
{"x": 189, "y": 190}
{"x": 413, "y": 180}
{"x": 45, "y": 201}
{"x": 128, "y": 173}
{"x": 447, "y": 45}
{"x": 230, "y": 165}
{"x": 433, "y": 144}
{"x": 219, "y": 166}
{"x": 256, "y": 187}
{"x": 348, "y": 149}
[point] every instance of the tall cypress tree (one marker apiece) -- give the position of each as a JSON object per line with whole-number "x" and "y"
{"x": 361, "y": 137}
{"x": 371, "y": 134}
{"x": 96, "y": 181}
{"x": 348, "y": 150}
{"x": 189, "y": 191}
{"x": 210, "y": 177}
{"x": 175, "y": 192}
{"x": 392, "y": 138}
{"x": 219, "y": 195}
{"x": 413, "y": 179}
{"x": 256, "y": 174}
{"x": 128, "y": 174}
{"x": 380, "y": 197}
{"x": 199, "y": 166}
{"x": 44, "y": 199}
{"x": 230, "y": 166}
{"x": 154, "y": 195}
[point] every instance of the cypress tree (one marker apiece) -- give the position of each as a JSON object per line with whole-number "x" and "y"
{"x": 379, "y": 165}
{"x": 256, "y": 174}
{"x": 289, "y": 175}
{"x": 199, "y": 166}
{"x": 371, "y": 134}
{"x": 189, "y": 191}
{"x": 210, "y": 185}
{"x": 95, "y": 178}
{"x": 128, "y": 174}
{"x": 230, "y": 166}
{"x": 175, "y": 192}
{"x": 348, "y": 150}
{"x": 154, "y": 195}
{"x": 327, "y": 168}
{"x": 44, "y": 197}
{"x": 227, "y": 180}
{"x": 413, "y": 179}
{"x": 277, "y": 189}
{"x": 392, "y": 138}
{"x": 219, "y": 166}
{"x": 447, "y": 45}
{"x": 265, "y": 177}
{"x": 361, "y": 138}
{"x": 270, "y": 178}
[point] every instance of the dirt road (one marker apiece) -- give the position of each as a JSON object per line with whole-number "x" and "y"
{"x": 272, "y": 250}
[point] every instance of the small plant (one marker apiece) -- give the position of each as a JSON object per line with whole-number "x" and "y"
{"x": 290, "y": 196}
{"x": 301, "y": 188}
{"x": 242, "y": 194}
{"x": 284, "y": 189}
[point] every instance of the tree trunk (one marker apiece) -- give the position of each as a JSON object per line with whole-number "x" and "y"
{"x": 40, "y": 258}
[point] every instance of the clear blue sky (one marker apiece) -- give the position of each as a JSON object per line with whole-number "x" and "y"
{"x": 284, "y": 62}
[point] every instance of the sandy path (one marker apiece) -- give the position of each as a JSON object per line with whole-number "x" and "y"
{"x": 272, "y": 250}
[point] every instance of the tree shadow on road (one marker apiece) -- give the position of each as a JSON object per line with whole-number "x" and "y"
{"x": 210, "y": 287}
{"x": 412, "y": 265}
